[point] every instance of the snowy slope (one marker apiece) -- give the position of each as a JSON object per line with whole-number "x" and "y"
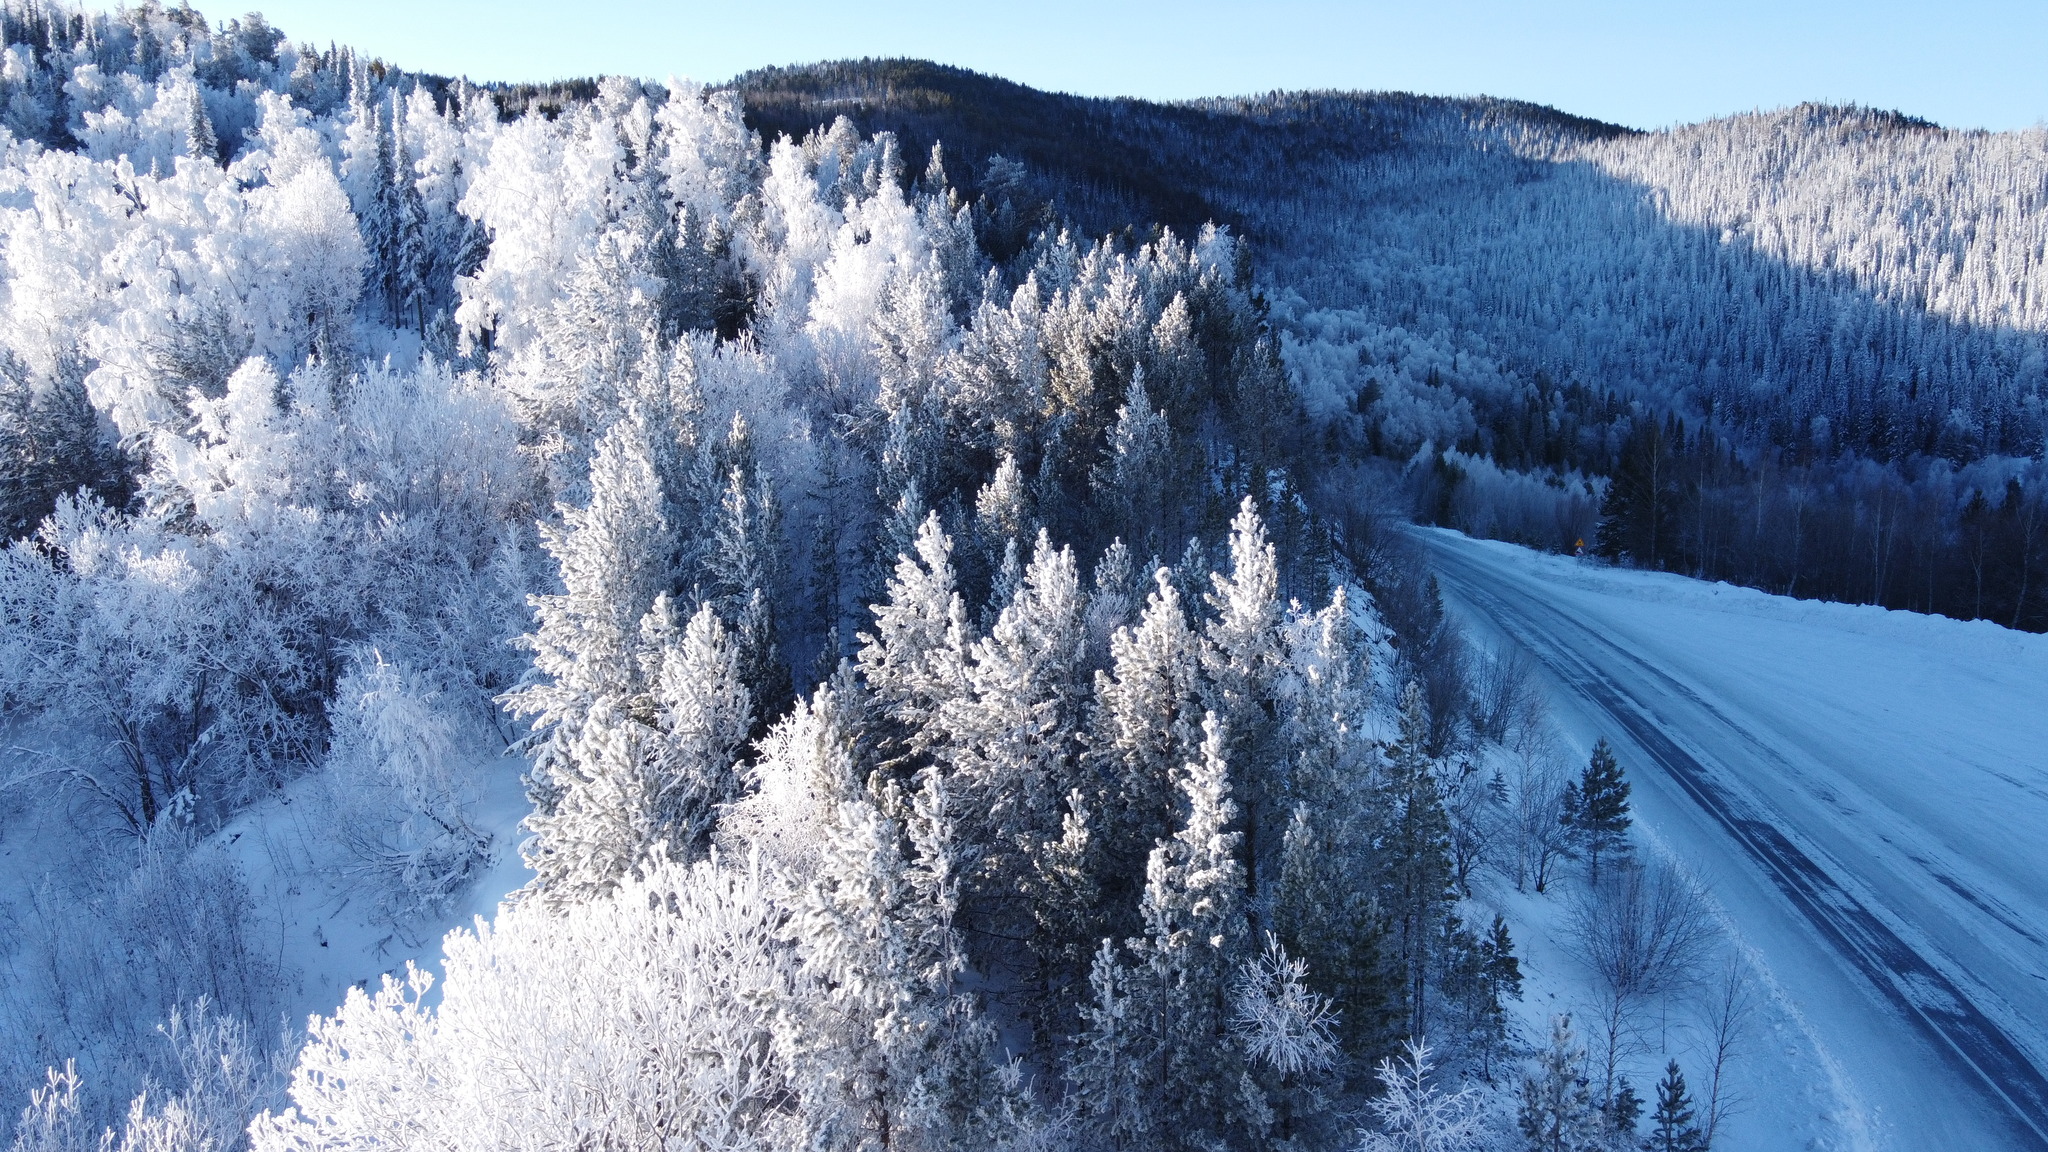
{"x": 1866, "y": 792}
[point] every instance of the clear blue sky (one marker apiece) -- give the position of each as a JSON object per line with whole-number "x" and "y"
{"x": 1964, "y": 63}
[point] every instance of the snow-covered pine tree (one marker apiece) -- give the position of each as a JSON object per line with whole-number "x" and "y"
{"x": 1325, "y": 908}
{"x": 1596, "y": 808}
{"x": 1002, "y": 510}
{"x": 744, "y": 566}
{"x": 703, "y": 711}
{"x": 591, "y": 735}
{"x": 1557, "y": 1113}
{"x": 1194, "y": 940}
{"x": 1133, "y": 483}
{"x": 888, "y": 1051}
{"x": 1111, "y": 601}
{"x": 1413, "y": 846}
{"x": 407, "y": 288}
{"x": 1325, "y": 912}
{"x": 915, "y": 661}
{"x": 200, "y": 142}
{"x": 1145, "y": 724}
{"x": 1112, "y": 1059}
{"x": 1244, "y": 659}
{"x": 1013, "y": 745}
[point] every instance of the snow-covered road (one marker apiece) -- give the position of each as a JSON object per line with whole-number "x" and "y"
{"x": 1867, "y": 793}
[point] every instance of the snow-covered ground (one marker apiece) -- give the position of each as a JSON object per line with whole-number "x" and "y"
{"x": 1866, "y": 794}
{"x": 329, "y": 935}
{"x": 310, "y": 915}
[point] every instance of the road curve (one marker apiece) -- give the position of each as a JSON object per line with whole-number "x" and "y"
{"x": 1870, "y": 910}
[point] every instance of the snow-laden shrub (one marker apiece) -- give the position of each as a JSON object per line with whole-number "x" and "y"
{"x": 401, "y": 793}
{"x": 1414, "y": 1115}
{"x": 199, "y": 1100}
{"x": 646, "y": 1019}
{"x": 168, "y": 946}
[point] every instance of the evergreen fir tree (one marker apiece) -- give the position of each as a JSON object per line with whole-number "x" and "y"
{"x": 1110, "y": 1072}
{"x": 200, "y": 141}
{"x": 1413, "y": 846}
{"x": 1013, "y": 741}
{"x": 1639, "y": 517}
{"x": 1146, "y": 722}
{"x": 1131, "y": 483}
{"x": 744, "y": 564}
{"x": 1324, "y": 912}
{"x": 1673, "y": 1128}
{"x": 1597, "y": 809}
{"x": 1557, "y": 1113}
{"x": 1193, "y": 911}
{"x": 915, "y": 661}
{"x": 1621, "y": 1114}
{"x": 1243, "y": 656}
{"x": 1501, "y": 974}
{"x": 406, "y": 279}
{"x": 891, "y": 1052}
{"x": 586, "y": 641}
{"x": 704, "y": 712}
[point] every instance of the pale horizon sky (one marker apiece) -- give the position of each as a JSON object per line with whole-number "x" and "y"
{"x": 1966, "y": 64}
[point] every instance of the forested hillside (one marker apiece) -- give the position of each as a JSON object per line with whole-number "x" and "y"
{"x": 942, "y": 712}
{"x": 1807, "y": 345}
{"x": 920, "y": 543}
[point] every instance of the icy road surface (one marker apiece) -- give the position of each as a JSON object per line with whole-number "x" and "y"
{"x": 1867, "y": 793}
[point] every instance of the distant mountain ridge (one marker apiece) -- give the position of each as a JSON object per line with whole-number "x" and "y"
{"x": 1116, "y": 161}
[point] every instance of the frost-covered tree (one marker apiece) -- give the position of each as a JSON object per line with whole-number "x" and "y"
{"x": 1326, "y": 905}
{"x": 1413, "y": 845}
{"x": 638, "y": 720}
{"x": 1243, "y": 657}
{"x": 915, "y": 661}
{"x": 1288, "y": 1032}
{"x": 744, "y": 563}
{"x": 1557, "y": 1112}
{"x": 608, "y": 552}
{"x": 1133, "y": 482}
{"x": 1002, "y": 511}
{"x": 1146, "y": 723}
{"x": 1415, "y": 1116}
{"x": 685, "y": 963}
{"x": 1108, "y": 1074}
{"x": 400, "y": 796}
{"x": 703, "y": 712}
{"x": 1014, "y": 749}
{"x": 1194, "y": 925}
{"x": 889, "y": 1049}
